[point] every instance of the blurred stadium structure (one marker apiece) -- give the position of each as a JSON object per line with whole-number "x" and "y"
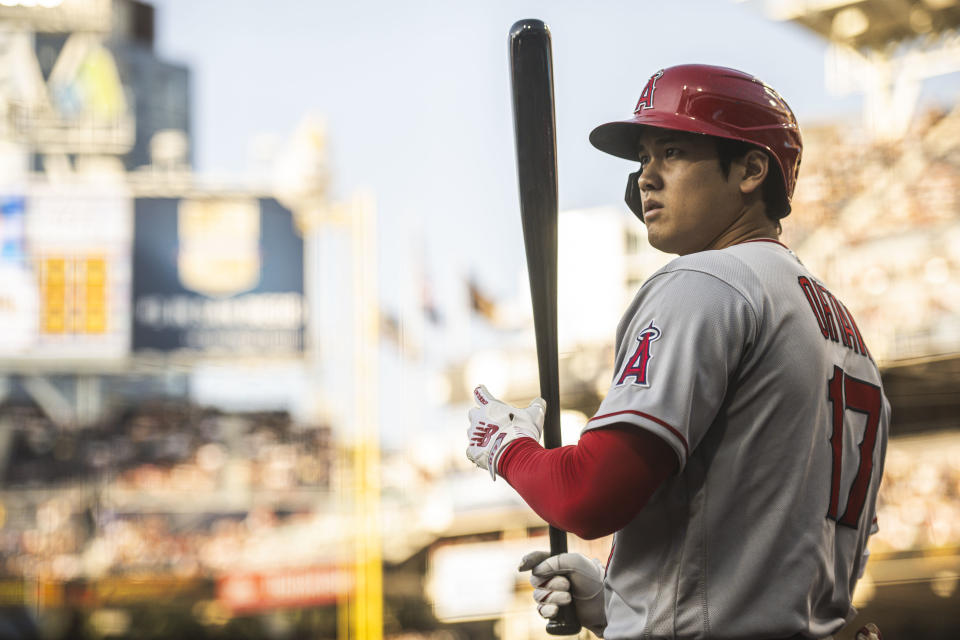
{"x": 125, "y": 280}
{"x": 129, "y": 508}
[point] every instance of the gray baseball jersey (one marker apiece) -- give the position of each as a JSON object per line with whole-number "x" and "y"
{"x": 759, "y": 379}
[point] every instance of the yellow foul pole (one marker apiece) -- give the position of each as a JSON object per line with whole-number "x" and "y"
{"x": 366, "y": 612}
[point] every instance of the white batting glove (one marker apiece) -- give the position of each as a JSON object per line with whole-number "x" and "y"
{"x": 568, "y": 577}
{"x": 495, "y": 424}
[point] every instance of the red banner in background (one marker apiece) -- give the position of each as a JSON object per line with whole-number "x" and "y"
{"x": 291, "y": 588}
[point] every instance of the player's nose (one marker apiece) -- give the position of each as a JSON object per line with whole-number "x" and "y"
{"x": 650, "y": 178}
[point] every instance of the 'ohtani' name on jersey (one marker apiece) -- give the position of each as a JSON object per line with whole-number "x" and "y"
{"x": 835, "y": 321}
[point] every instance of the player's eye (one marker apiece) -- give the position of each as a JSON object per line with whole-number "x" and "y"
{"x": 644, "y": 161}
{"x": 671, "y": 152}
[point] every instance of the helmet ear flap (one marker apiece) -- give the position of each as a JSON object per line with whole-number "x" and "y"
{"x": 632, "y": 197}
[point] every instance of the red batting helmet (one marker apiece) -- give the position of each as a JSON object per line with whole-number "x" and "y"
{"x": 715, "y": 101}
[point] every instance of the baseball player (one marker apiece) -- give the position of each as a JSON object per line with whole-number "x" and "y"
{"x": 737, "y": 454}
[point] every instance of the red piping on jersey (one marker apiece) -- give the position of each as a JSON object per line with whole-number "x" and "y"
{"x": 686, "y": 448}
{"x": 592, "y": 488}
{"x": 766, "y": 240}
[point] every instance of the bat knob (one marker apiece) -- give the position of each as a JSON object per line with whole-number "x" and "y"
{"x": 565, "y": 623}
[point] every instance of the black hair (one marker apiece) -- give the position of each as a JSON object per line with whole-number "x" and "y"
{"x": 773, "y": 193}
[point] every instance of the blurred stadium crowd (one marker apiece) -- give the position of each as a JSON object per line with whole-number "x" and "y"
{"x": 160, "y": 508}
{"x": 847, "y": 179}
{"x": 164, "y": 489}
{"x": 919, "y": 502}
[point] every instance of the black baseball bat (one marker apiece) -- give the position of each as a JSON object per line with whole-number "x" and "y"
{"x": 534, "y": 127}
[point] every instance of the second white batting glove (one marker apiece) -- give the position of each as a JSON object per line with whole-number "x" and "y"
{"x": 568, "y": 577}
{"x": 495, "y": 424}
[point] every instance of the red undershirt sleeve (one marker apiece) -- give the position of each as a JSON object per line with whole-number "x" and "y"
{"x": 592, "y": 488}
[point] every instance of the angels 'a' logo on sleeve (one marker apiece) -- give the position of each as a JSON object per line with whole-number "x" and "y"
{"x": 636, "y": 367}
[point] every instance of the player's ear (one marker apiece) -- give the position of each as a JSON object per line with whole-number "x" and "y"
{"x": 756, "y": 166}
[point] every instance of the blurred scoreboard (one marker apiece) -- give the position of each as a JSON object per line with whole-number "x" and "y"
{"x": 65, "y": 273}
{"x": 90, "y": 274}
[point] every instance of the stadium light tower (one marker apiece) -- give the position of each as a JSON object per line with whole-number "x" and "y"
{"x": 882, "y": 49}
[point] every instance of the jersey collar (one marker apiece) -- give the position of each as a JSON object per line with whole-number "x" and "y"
{"x": 766, "y": 240}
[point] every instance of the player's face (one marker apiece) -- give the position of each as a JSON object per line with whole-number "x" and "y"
{"x": 688, "y": 204}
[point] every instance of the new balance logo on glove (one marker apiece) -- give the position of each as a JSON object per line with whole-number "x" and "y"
{"x": 481, "y": 437}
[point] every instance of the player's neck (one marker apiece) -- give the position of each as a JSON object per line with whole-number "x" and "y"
{"x": 751, "y": 224}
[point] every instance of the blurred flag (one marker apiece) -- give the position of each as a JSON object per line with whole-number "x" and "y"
{"x": 428, "y": 304}
{"x": 481, "y": 302}
{"x": 428, "y": 301}
{"x": 394, "y": 332}
{"x": 390, "y": 327}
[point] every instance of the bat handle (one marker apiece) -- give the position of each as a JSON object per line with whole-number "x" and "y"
{"x": 565, "y": 623}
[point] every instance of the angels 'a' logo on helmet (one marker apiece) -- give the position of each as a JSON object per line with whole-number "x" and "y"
{"x": 637, "y": 365}
{"x": 646, "y": 96}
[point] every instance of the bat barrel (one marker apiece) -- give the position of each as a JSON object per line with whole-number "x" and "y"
{"x": 534, "y": 130}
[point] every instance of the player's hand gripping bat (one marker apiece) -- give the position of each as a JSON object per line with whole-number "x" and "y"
{"x": 534, "y": 128}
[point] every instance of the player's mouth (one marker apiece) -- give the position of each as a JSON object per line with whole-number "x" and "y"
{"x": 651, "y": 208}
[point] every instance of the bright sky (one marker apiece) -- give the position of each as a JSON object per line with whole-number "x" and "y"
{"x": 416, "y": 96}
